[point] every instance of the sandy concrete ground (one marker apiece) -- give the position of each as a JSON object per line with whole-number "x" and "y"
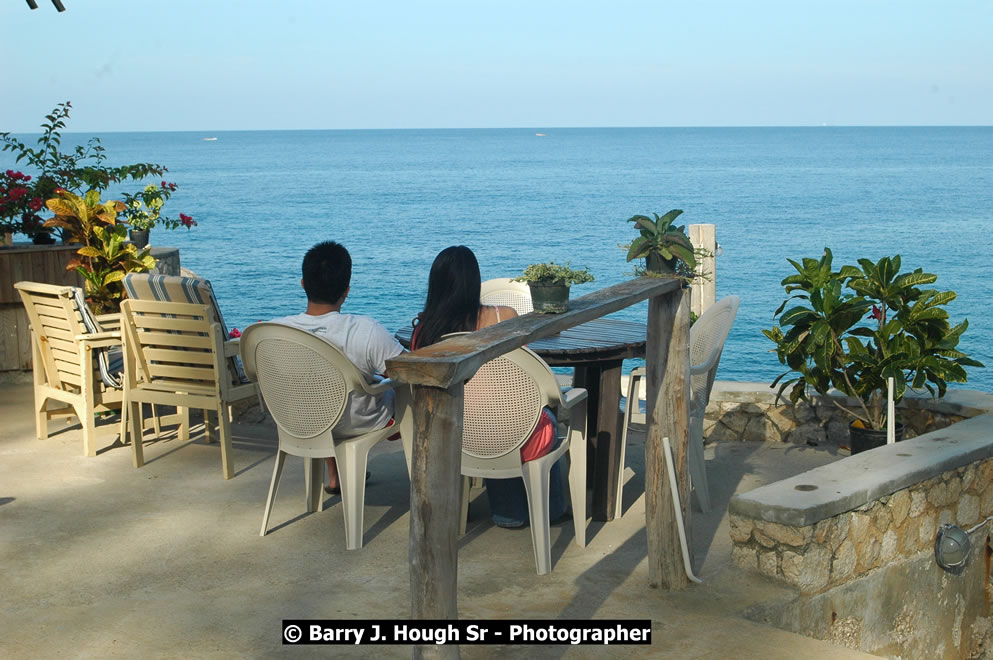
{"x": 103, "y": 560}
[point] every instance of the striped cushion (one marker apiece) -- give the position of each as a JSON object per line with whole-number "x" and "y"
{"x": 109, "y": 360}
{"x": 172, "y": 288}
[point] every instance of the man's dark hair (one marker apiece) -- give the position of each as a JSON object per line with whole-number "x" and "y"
{"x": 327, "y": 272}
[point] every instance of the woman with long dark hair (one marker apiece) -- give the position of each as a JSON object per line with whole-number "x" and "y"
{"x": 453, "y": 305}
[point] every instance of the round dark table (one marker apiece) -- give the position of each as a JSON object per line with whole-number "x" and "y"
{"x": 596, "y": 350}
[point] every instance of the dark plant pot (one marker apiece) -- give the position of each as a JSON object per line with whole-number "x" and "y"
{"x": 860, "y": 439}
{"x": 654, "y": 263}
{"x": 139, "y": 237}
{"x": 43, "y": 238}
{"x": 549, "y": 298}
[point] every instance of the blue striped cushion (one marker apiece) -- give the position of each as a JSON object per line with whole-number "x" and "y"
{"x": 110, "y": 361}
{"x": 173, "y": 288}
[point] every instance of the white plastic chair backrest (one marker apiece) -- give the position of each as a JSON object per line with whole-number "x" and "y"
{"x": 305, "y": 381}
{"x": 503, "y": 403}
{"x": 504, "y": 291}
{"x": 707, "y": 337}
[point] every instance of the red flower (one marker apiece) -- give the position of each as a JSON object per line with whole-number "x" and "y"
{"x": 235, "y": 333}
{"x": 876, "y": 313}
{"x": 165, "y": 185}
{"x": 35, "y": 204}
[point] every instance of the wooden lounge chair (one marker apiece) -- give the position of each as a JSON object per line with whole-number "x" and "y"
{"x": 76, "y": 359}
{"x": 176, "y": 354}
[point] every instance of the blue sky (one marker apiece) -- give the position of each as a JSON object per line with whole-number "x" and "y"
{"x": 223, "y": 65}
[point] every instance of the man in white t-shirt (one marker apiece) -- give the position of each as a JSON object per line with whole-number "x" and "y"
{"x": 327, "y": 272}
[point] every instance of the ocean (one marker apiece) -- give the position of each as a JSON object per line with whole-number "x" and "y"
{"x": 395, "y": 198}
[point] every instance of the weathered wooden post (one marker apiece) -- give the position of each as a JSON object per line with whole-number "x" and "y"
{"x": 437, "y": 374}
{"x": 705, "y": 284}
{"x": 668, "y": 372}
{"x": 435, "y": 509}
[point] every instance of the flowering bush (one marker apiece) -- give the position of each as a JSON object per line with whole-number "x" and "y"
{"x": 18, "y": 203}
{"x": 77, "y": 170}
{"x": 143, "y": 210}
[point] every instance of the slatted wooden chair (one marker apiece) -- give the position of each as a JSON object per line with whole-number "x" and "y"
{"x": 176, "y": 354}
{"x": 76, "y": 359}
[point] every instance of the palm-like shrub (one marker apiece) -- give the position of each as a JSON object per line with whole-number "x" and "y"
{"x": 854, "y": 328}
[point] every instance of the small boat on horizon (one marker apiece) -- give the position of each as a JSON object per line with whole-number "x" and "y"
{"x": 210, "y": 139}
{"x": 539, "y": 135}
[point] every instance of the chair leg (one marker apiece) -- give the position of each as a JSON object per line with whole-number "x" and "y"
{"x": 208, "y": 427}
{"x": 313, "y": 483}
{"x": 577, "y": 473}
{"x": 698, "y": 467}
{"x": 464, "y": 511}
{"x": 184, "y": 423}
{"x": 224, "y": 430}
{"x": 536, "y": 485}
{"x": 277, "y": 469}
{"x": 352, "y": 461}
{"x": 156, "y": 422}
{"x": 137, "y": 451}
{"x": 632, "y": 402}
{"x": 40, "y": 418}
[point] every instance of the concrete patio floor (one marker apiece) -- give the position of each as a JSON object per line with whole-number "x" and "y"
{"x": 103, "y": 560}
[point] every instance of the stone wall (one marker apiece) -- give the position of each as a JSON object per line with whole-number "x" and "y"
{"x": 750, "y": 412}
{"x": 848, "y": 546}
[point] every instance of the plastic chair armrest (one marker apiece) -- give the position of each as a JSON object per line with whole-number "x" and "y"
{"x": 573, "y": 396}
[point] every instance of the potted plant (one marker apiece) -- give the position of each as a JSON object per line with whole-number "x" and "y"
{"x": 105, "y": 258}
{"x": 854, "y": 328}
{"x": 549, "y": 284}
{"x": 664, "y": 246}
{"x": 143, "y": 210}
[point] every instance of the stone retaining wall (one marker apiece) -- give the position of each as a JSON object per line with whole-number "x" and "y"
{"x": 846, "y": 547}
{"x": 750, "y": 412}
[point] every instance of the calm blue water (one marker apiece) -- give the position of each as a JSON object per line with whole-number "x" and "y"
{"x": 396, "y": 198}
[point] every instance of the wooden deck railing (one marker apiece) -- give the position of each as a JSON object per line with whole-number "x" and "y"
{"x": 438, "y": 373}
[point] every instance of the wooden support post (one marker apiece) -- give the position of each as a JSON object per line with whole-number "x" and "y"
{"x": 434, "y": 509}
{"x": 668, "y": 373}
{"x": 704, "y": 287}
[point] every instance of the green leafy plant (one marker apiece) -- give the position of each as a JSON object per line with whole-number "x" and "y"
{"x": 104, "y": 264}
{"x": 553, "y": 273}
{"x": 143, "y": 210}
{"x": 105, "y": 258}
{"x": 78, "y": 170}
{"x": 855, "y": 327}
{"x": 664, "y": 246}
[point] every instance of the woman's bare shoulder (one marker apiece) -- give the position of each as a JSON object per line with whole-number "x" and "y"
{"x": 489, "y": 315}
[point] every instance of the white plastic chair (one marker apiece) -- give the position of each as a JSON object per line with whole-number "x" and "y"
{"x": 504, "y": 291}
{"x": 707, "y": 337}
{"x": 306, "y": 383}
{"x": 503, "y": 403}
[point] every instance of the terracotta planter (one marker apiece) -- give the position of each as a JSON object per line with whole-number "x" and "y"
{"x": 862, "y": 439}
{"x": 139, "y": 237}
{"x": 549, "y": 298}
